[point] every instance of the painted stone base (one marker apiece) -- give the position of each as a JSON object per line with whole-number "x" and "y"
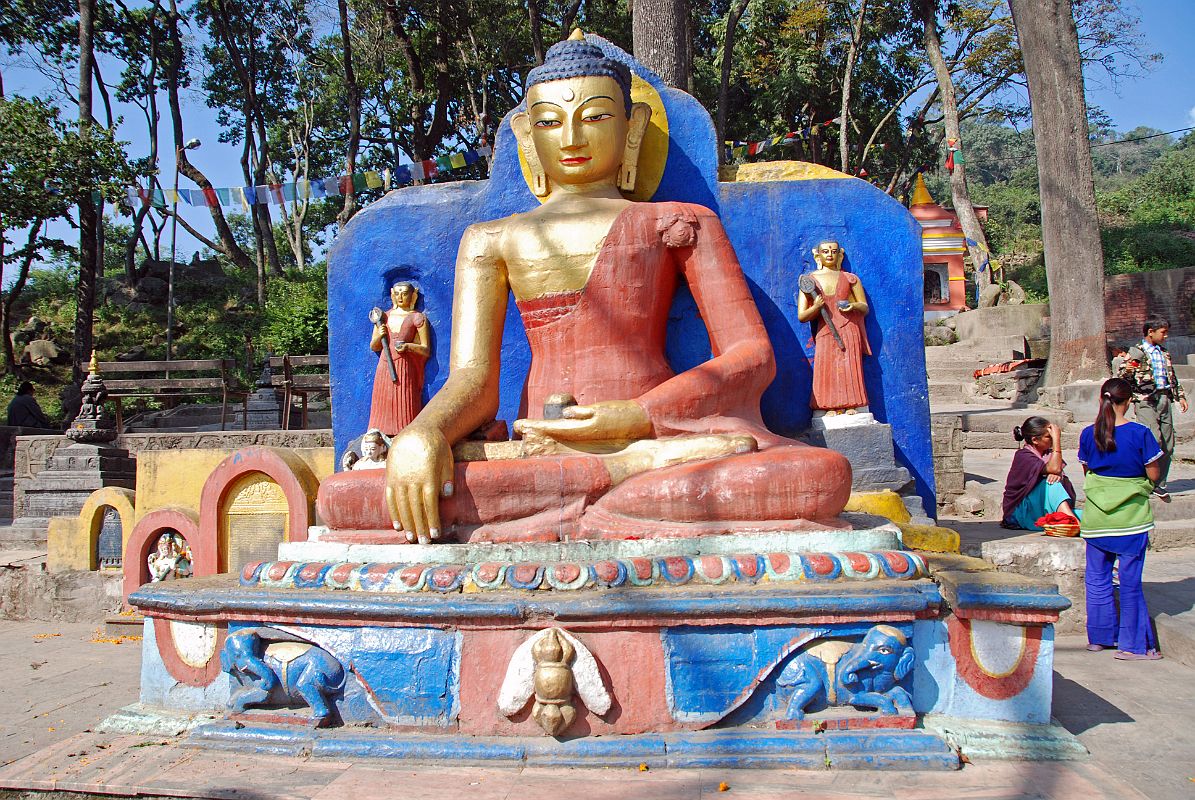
{"x": 978, "y": 739}
{"x": 903, "y": 750}
{"x": 841, "y": 719}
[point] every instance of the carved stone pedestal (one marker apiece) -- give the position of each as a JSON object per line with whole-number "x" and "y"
{"x": 70, "y": 476}
{"x": 264, "y": 410}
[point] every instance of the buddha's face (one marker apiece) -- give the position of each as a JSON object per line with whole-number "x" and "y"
{"x": 828, "y": 255}
{"x": 403, "y": 296}
{"x": 579, "y": 128}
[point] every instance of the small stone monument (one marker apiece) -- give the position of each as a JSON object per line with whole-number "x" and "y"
{"x": 72, "y": 473}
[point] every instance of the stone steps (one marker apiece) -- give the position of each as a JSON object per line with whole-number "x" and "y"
{"x": 992, "y": 440}
{"x": 1172, "y": 534}
{"x": 946, "y": 391}
{"x": 963, "y": 371}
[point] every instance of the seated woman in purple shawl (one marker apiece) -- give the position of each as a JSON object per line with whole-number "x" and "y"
{"x": 1035, "y": 485}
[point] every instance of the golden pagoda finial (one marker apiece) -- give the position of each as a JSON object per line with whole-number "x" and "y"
{"x": 921, "y": 195}
{"x": 93, "y": 368}
{"x": 576, "y": 35}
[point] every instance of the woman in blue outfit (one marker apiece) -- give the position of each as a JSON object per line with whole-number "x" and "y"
{"x": 1035, "y": 485}
{"x": 1121, "y": 464}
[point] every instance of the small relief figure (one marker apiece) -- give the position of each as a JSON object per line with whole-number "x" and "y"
{"x": 374, "y": 447}
{"x": 834, "y": 302}
{"x": 265, "y": 661}
{"x": 866, "y": 674}
{"x": 171, "y": 558}
{"x": 402, "y": 339}
{"x": 550, "y": 666}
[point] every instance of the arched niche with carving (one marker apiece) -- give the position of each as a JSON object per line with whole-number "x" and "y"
{"x": 283, "y": 468}
{"x": 91, "y": 518}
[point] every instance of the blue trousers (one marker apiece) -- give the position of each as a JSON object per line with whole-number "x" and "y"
{"x": 1133, "y": 632}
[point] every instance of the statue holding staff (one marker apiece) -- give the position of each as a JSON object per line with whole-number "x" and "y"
{"x": 402, "y": 340}
{"x": 835, "y": 298}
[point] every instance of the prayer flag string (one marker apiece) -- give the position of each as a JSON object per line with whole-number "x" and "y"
{"x": 312, "y": 188}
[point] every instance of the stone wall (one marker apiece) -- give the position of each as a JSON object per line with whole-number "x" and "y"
{"x": 1128, "y": 299}
{"x": 32, "y": 452}
{"x": 946, "y": 431}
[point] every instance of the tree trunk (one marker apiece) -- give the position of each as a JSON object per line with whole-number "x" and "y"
{"x": 11, "y": 365}
{"x": 844, "y": 112}
{"x": 950, "y": 119}
{"x": 228, "y": 244}
{"x": 733, "y": 15}
{"x": 89, "y": 221}
{"x": 660, "y": 31}
{"x": 537, "y": 36}
{"x": 1070, "y": 229}
{"x": 354, "y": 98}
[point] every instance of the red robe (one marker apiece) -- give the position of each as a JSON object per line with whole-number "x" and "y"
{"x": 838, "y": 371}
{"x": 606, "y": 342}
{"x": 396, "y": 402}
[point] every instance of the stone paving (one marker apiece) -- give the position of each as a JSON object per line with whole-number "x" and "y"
{"x": 60, "y": 679}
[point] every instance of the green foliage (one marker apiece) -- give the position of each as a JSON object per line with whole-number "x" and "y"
{"x": 46, "y": 164}
{"x": 296, "y": 315}
{"x": 1149, "y": 223}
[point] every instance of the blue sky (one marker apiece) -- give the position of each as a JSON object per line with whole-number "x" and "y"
{"x": 1165, "y": 98}
{"x": 1162, "y": 99}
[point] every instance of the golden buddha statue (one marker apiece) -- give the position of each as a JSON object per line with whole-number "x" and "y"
{"x": 644, "y": 452}
{"x": 835, "y": 298}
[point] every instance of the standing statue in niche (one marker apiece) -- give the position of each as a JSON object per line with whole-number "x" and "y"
{"x": 402, "y": 340}
{"x": 834, "y": 302}
{"x": 593, "y": 275}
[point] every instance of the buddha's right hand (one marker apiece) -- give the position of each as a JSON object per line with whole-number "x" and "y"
{"x": 418, "y": 472}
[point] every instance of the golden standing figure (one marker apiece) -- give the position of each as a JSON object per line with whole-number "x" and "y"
{"x": 835, "y": 298}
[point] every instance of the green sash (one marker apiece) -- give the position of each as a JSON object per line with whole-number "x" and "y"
{"x": 1116, "y": 506}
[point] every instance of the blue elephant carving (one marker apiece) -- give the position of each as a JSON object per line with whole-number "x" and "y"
{"x": 265, "y": 661}
{"x": 866, "y": 674}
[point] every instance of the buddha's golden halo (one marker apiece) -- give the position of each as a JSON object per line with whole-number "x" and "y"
{"x": 653, "y": 155}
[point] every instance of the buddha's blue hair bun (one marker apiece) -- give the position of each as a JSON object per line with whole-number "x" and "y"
{"x": 577, "y": 58}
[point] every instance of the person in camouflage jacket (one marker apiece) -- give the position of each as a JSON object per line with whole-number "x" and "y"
{"x": 1148, "y": 367}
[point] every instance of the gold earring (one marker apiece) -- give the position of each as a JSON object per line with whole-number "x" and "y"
{"x": 629, "y": 170}
{"x": 521, "y": 126}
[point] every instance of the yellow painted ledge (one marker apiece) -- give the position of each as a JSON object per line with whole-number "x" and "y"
{"x": 67, "y": 547}
{"x": 929, "y": 538}
{"x": 765, "y": 171}
{"x": 888, "y": 504}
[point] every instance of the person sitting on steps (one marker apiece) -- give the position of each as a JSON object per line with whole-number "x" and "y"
{"x": 1035, "y": 485}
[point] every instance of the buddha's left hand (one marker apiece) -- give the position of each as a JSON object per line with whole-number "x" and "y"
{"x": 610, "y": 420}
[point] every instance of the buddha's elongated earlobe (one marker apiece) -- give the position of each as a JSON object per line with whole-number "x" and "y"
{"x": 640, "y": 116}
{"x": 520, "y": 124}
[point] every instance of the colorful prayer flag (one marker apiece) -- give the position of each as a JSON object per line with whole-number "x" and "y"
{"x": 471, "y": 157}
{"x": 225, "y": 197}
{"x": 210, "y": 197}
{"x": 402, "y": 175}
{"x": 417, "y": 170}
{"x": 332, "y": 187}
{"x": 373, "y": 180}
